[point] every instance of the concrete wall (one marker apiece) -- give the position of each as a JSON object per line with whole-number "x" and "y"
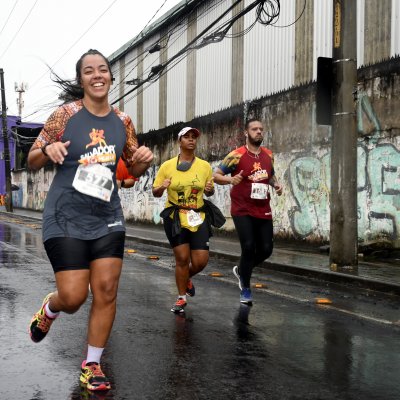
{"x": 302, "y": 161}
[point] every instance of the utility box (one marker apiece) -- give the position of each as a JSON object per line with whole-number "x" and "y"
{"x": 324, "y": 91}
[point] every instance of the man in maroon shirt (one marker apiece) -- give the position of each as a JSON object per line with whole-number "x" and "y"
{"x": 251, "y": 170}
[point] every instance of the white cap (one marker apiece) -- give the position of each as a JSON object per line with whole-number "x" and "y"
{"x": 186, "y": 130}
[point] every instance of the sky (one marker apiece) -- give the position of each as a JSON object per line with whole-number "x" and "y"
{"x": 37, "y": 33}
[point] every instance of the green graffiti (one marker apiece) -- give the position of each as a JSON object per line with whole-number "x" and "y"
{"x": 309, "y": 181}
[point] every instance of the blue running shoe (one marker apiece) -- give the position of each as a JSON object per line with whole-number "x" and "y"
{"x": 245, "y": 296}
{"x": 236, "y": 273}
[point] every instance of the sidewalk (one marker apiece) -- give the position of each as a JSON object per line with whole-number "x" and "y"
{"x": 378, "y": 275}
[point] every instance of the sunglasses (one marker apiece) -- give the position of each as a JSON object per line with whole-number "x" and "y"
{"x": 184, "y": 165}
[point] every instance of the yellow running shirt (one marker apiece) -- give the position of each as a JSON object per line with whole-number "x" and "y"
{"x": 186, "y": 188}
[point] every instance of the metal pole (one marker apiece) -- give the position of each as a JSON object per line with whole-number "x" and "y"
{"x": 7, "y": 167}
{"x": 343, "y": 224}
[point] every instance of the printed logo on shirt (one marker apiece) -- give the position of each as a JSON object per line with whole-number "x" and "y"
{"x": 116, "y": 223}
{"x": 257, "y": 173}
{"x": 102, "y": 153}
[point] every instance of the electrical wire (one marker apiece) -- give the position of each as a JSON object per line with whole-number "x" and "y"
{"x": 9, "y": 15}
{"x": 23, "y": 23}
{"x": 97, "y": 19}
{"x": 176, "y": 24}
{"x": 76, "y": 41}
{"x": 45, "y": 108}
{"x": 267, "y": 13}
{"x": 184, "y": 50}
{"x": 294, "y": 22}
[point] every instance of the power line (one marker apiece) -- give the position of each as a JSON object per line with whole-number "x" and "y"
{"x": 9, "y": 15}
{"x": 76, "y": 41}
{"x": 267, "y": 13}
{"x": 91, "y": 26}
{"x": 173, "y": 30}
{"x": 189, "y": 46}
{"x": 23, "y": 23}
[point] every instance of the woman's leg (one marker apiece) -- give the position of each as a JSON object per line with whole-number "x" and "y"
{"x": 199, "y": 249}
{"x": 182, "y": 260}
{"x": 72, "y": 291}
{"x": 104, "y": 279}
{"x": 199, "y": 260}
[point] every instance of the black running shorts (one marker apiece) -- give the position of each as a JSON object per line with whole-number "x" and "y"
{"x": 70, "y": 254}
{"x": 198, "y": 240}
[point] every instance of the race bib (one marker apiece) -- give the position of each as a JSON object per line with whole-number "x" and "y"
{"x": 259, "y": 191}
{"x": 194, "y": 218}
{"x": 94, "y": 180}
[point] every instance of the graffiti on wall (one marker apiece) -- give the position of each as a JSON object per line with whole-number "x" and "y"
{"x": 309, "y": 182}
{"x": 378, "y": 187}
{"x": 303, "y": 211}
{"x": 378, "y": 193}
{"x": 138, "y": 202}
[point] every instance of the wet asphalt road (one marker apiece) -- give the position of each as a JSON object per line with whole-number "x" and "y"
{"x": 284, "y": 347}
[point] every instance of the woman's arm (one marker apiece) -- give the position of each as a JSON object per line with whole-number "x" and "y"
{"x": 159, "y": 190}
{"x": 39, "y": 156}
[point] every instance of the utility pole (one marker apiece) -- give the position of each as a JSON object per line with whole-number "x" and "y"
{"x": 344, "y": 223}
{"x": 6, "y": 150}
{"x": 20, "y": 101}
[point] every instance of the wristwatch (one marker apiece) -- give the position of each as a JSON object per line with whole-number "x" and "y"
{"x": 123, "y": 183}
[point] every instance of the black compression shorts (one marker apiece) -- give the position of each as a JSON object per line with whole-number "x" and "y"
{"x": 198, "y": 240}
{"x": 70, "y": 254}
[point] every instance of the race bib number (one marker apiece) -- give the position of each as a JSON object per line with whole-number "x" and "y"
{"x": 94, "y": 180}
{"x": 194, "y": 218}
{"x": 259, "y": 191}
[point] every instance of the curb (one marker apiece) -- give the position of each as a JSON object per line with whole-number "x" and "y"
{"x": 389, "y": 288}
{"x": 318, "y": 274}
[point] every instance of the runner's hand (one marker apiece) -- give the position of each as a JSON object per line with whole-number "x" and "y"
{"x": 209, "y": 186}
{"x": 142, "y": 155}
{"x": 57, "y": 151}
{"x": 278, "y": 189}
{"x": 166, "y": 183}
{"x": 237, "y": 178}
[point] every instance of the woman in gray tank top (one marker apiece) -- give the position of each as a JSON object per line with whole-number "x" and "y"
{"x": 83, "y": 224}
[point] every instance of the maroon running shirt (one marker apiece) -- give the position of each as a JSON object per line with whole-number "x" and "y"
{"x": 257, "y": 169}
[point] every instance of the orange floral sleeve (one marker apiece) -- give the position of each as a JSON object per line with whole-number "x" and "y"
{"x": 55, "y": 125}
{"x": 131, "y": 139}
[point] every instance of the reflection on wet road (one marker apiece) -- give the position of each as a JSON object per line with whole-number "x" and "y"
{"x": 277, "y": 349}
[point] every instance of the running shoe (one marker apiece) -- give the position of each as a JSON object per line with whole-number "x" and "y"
{"x": 179, "y": 306}
{"x": 40, "y": 323}
{"x": 93, "y": 377}
{"x": 245, "y": 296}
{"x": 236, "y": 273}
{"x": 190, "y": 290}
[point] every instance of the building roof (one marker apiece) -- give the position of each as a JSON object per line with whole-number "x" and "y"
{"x": 176, "y": 12}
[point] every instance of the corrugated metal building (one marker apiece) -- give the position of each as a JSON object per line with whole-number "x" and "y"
{"x": 165, "y": 78}
{"x": 242, "y": 66}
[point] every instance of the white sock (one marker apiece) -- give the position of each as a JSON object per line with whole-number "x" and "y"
{"x": 182, "y": 297}
{"x": 50, "y": 313}
{"x": 94, "y": 354}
